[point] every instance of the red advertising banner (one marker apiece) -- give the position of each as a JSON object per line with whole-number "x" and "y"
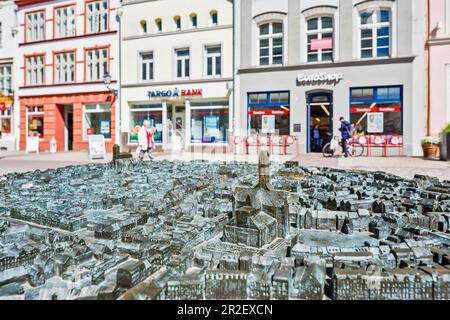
{"x": 324, "y": 44}
{"x": 268, "y": 112}
{"x": 2, "y": 106}
{"x": 376, "y": 109}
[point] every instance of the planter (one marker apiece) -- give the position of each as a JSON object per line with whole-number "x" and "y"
{"x": 430, "y": 151}
{"x": 445, "y": 146}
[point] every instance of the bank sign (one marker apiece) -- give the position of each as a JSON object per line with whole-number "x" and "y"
{"x": 323, "y": 77}
{"x": 175, "y": 93}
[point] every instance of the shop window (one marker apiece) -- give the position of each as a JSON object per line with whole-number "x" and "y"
{"x": 35, "y": 26}
{"x": 380, "y": 114}
{"x": 158, "y": 23}
{"x": 375, "y": 33}
{"x": 143, "y": 24}
{"x": 214, "y": 61}
{"x": 65, "y": 67}
{"x": 65, "y": 22}
{"x": 269, "y": 113}
{"x": 270, "y": 41}
{"x": 97, "y": 16}
{"x": 147, "y": 66}
{"x": 96, "y": 64}
{"x": 214, "y": 18}
{"x": 193, "y": 20}
{"x": 5, "y": 122}
{"x": 139, "y": 113}
{"x": 183, "y": 63}
{"x": 209, "y": 125}
{"x": 35, "y": 70}
{"x": 98, "y": 118}
{"x": 5, "y": 79}
{"x": 177, "y": 22}
{"x": 320, "y": 39}
{"x": 35, "y": 121}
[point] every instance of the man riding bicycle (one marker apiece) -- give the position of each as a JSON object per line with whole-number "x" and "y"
{"x": 345, "y": 130}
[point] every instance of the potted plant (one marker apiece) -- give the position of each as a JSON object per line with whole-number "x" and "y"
{"x": 430, "y": 147}
{"x": 444, "y": 138}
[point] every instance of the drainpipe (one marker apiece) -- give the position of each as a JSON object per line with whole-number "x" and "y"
{"x": 427, "y": 46}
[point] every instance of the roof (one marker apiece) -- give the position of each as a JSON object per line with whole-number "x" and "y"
{"x": 260, "y": 197}
{"x": 262, "y": 220}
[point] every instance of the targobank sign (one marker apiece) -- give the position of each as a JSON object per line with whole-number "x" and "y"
{"x": 322, "y": 77}
{"x": 175, "y": 93}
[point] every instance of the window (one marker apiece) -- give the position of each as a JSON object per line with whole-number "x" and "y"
{"x": 35, "y": 121}
{"x": 143, "y": 24}
{"x": 214, "y": 18}
{"x": 183, "y": 63}
{"x": 139, "y": 113}
{"x": 177, "y": 22}
{"x": 193, "y": 20}
{"x": 34, "y": 70}
{"x": 158, "y": 23}
{"x": 35, "y": 26}
{"x": 209, "y": 122}
{"x": 214, "y": 61}
{"x": 65, "y": 67}
{"x": 97, "y": 64}
{"x": 377, "y": 110}
{"x": 147, "y": 66}
{"x": 271, "y": 43}
{"x": 65, "y": 22}
{"x": 98, "y": 118}
{"x": 375, "y": 33}
{"x": 320, "y": 39}
{"x": 97, "y": 16}
{"x": 5, "y": 79}
{"x": 5, "y": 121}
{"x": 269, "y": 113}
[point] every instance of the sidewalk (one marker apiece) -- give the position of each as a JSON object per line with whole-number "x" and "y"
{"x": 403, "y": 166}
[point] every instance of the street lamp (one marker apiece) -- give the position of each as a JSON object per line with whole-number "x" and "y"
{"x": 107, "y": 82}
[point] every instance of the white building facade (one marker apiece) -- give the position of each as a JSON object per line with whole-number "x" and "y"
{"x": 9, "y": 110}
{"x": 177, "y": 71}
{"x": 65, "y": 49}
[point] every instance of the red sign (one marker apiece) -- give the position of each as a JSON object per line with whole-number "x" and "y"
{"x": 2, "y": 106}
{"x": 90, "y": 131}
{"x": 376, "y": 109}
{"x": 191, "y": 92}
{"x": 268, "y": 112}
{"x": 324, "y": 44}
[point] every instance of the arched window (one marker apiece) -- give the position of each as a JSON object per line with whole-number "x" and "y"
{"x": 319, "y": 33}
{"x": 270, "y": 40}
{"x": 193, "y": 17}
{"x": 375, "y": 33}
{"x": 158, "y": 23}
{"x": 177, "y": 22}
{"x": 214, "y": 18}
{"x": 143, "y": 24}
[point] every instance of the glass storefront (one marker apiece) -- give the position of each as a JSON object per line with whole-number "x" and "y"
{"x": 269, "y": 113}
{"x": 139, "y": 113}
{"x": 5, "y": 122}
{"x": 209, "y": 122}
{"x": 377, "y": 110}
{"x": 98, "y": 118}
{"x": 35, "y": 121}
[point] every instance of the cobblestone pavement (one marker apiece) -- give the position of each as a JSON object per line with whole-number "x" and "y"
{"x": 404, "y": 167}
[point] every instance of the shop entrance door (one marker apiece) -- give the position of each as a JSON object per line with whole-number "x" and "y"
{"x": 68, "y": 119}
{"x": 320, "y": 120}
{"x": 178, "y": 127}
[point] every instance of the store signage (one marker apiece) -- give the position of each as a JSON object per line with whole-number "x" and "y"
{"x": 268, "y": 113}
{"x": 97, "y": 147}
{"x": 90, "y": 131}
{"x": 2, "y": 106}
{"x": 376, "y": 109}
{"x": 322, "y": 77}
{"x": 322, "y": 44}
{"x": 175, "y": 93}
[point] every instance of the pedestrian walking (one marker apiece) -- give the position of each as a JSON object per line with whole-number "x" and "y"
{"x": 316, "y": 137}
{"x": 146, "y": 140}
{"x": 345, "y": 130}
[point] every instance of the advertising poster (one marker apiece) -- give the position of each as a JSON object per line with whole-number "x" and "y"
{"x": 133, "y": 136}
{"x": 375, "y": 122}
{"x": 97, "y": 148}
{"x": 268, "y": 124}
{"x": 104, "y": 127}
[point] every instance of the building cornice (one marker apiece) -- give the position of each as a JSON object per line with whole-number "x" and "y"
{"x": 88, "y": 35}
{"x": 439, "y": 41}
{"x": 313, "y": 66}
{"x": 175, "y": 83}
{"x": 24, "y": 3}
{"x": 170, "y": 33}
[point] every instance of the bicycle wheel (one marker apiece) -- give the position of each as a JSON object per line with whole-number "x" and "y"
{"x": 356, "y": 150}
{"x": 327, "y": 152}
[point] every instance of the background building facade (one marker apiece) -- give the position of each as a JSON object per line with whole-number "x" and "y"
{"x": 65, "y": 49}
{"x": 303, "y": 62}
{"x": 177, "y": 71}
{"x": 438, "y": 49}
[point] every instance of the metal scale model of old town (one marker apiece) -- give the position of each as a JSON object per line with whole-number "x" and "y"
{"x": 218, "y": 149}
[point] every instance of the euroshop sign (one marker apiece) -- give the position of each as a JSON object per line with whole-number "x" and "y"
{"x": 175, "y": 93}
{"x": 323, "y": 77}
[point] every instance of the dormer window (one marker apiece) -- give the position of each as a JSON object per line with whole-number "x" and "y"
{"x": 177, "y": 22}
{"x": 158, "y": 23}
{"x": 214, "y": 18}
{"x": 143, "y": 24}
{"x": 193, "y": 21}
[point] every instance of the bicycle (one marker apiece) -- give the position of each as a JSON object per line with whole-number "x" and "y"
{"x": 331, "y": 148}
